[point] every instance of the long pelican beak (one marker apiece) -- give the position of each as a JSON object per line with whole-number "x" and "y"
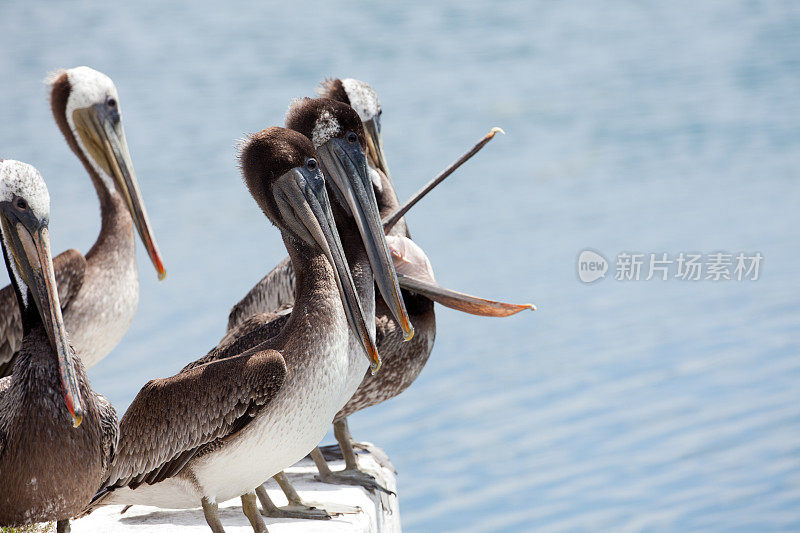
{"x": 101, "y": 130}
{"x": 303, "y": 202}
{"x": 466, "y": 303}
{"x": 28, "y": 241}
{"x": 372, "y": 131}
{"x": 345, "y": 165}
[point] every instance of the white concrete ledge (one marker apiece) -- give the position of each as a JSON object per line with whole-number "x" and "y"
{"x": 366, "y": 512}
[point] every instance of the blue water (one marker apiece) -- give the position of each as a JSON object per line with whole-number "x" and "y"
{"x": 651, "y": 127}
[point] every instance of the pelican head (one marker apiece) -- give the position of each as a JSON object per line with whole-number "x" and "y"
{"x": 338, "y": 136}
{"x": 364, "y": 100}
{"x": 282, "y": 174}
{"x": 87, "y": 109}
{"x": 24, "y": 220}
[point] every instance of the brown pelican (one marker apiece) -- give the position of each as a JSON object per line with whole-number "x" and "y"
{"x": 403, "y": 361}
{"x": 235, "y": 417}
{"x": 99, "y": 292}
{"x": 49, "y": 469}
{"x": 338, "y": 137}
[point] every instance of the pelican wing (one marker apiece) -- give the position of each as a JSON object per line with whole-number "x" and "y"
{"x": 69, "y": 268}
{"x": 10, "y": 329}
{"x": 246, "y": 336}
{"x": 275, "y": 290}
{"x": 109, "y": 425}
{"x": 4, "y": 384}
{"x": 172, "y": 419}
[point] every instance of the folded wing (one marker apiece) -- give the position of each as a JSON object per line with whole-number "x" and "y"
{"x": 172, "y": 419}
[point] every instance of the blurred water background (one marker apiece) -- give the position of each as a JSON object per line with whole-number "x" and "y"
{"x": 650, "y": 126}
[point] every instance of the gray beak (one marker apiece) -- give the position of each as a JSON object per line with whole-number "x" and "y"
{"x": 345, "y": 167}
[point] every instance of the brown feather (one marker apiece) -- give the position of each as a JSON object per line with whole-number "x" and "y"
{"x": 332, "y": 88}
{"x": 49, "y": 469}
{"x": 210, "y": 400}
{"x": 303, "y": 115}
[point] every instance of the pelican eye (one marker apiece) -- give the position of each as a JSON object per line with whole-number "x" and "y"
{"x": 21, "y": 204}
{"x": 111, "y": 103}
{"x": 311, "y": 164}
{"x": 351, "y": 137}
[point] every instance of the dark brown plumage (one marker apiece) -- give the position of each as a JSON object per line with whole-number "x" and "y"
{"x": 403, "y": 361}
{"x": 174, "y": 419}
{"x": 332, "y": 88}
{"x": 268, "y": 154}
{"x": 304, "y": 114}
{"x": 48, "y": 468}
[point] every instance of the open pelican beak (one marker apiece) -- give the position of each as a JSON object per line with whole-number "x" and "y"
{"x": 372, "y": 132}
{"x": 28, "y": 241}
{"x": 101, "y": 130}
{"x": 466, "y": 303}
{"x": 303, "y": 202}
{"x": 345, "y": 165}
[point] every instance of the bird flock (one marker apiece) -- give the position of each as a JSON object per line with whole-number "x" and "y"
{"x": 345, "y": 322}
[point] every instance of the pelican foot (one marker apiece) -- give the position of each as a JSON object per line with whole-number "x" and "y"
{"x": 352, "y": 476}
{"x": 62, "y": 526}
{"x": 305, "y": 512}
{"x": 297, "y": 508}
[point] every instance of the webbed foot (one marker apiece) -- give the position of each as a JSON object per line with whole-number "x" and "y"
{"x": 351, "y": 476}
{"x": 296, "y": 508}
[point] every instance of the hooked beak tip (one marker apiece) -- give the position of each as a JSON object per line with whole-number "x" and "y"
{"x": 156, "y": 258}
{"x": 408, "y": 332}
{"x": 406, "y": 325}
{"x": 494, "y": 131}
{"x": 375, "y": 366}
{"x": 77, "y": 413}
{"x": 531, "y": 307}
